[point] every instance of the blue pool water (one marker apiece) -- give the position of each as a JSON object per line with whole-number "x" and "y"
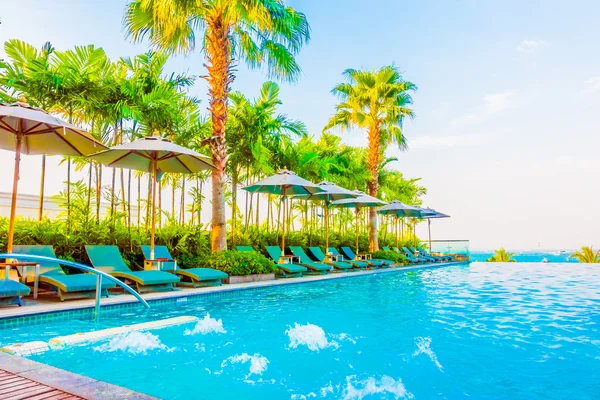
{"x": 557, "y": 256}
{"x": 484, "y": 331}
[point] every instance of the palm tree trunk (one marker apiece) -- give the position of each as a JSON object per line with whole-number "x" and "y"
{"x": 173, "y": 198}
{"x": 98, "y": 191}
{"x": 234, "y": 179}
{"x": 42, "y": 181}
{"x": 219, "y": 78}
{"x": 112, "y": 193}
{"x": 257, "y": 209}
{"x": 200, "y": 203}
{"x": 123, "y": 205}
{"x": 89, "y": 193}
{"x": 373, "y": 161}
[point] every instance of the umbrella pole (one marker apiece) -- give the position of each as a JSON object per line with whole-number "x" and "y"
{"x": 397, "y": 218}
{"x": 326, "y": 213}
{"x": 429, "y": 228}
{"x": 415, "y": 235}
{"x": 13, "y": 201}
{"x": 357, "y": 231}
{"x": 283, "y": 225}
{"x": 154, "y": 173}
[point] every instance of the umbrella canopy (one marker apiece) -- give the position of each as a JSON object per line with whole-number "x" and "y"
{"x": 284, "y": 183}
{"x": 332, "y": 192}
{"x": 362, "y": 200}
{"x": 151, "y": 154}
{"x": 154, "y": 152}
{"x": 30, "y": 130}
{"x": 429, "y": 214}
{"x": 41, "y": 133}
{"x": 399, "y": 209}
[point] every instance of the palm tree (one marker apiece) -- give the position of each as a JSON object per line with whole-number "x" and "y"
{"x": 29, "y": 74}
{"x": 501, "y": 256}
{"x": 378, "y": 102}
{"x": 587, "y": 255}
{"x": 255, "y": 31}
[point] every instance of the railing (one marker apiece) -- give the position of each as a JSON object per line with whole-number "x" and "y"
{"x": 99, "y": 276}
{"x": 458, "y": 248}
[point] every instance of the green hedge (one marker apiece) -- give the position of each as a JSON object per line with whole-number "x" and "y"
{"x": 240, "y": 263}
{"x": 389, "y": 255}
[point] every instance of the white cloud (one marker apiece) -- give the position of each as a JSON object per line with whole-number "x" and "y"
{"x": 592, "y": 85}
{"x": 448, "y": 141}
{"x": 528, "y": 46}
{"x": 492, "y": 103}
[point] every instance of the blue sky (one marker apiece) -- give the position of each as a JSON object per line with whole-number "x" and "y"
{"x": 506, "y": 135}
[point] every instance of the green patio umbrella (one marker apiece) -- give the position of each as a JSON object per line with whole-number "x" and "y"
{"x": 29, "y": 130}
{"x": 361, "y": 200}
{"x": 400, "y": 210}
{"x": 153, "y": 154}
{"x": 284, "y": 183}
{"x": 332, "y": 192}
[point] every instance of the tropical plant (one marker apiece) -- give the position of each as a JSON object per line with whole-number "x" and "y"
{"x": 501, "y": 255}
{"x": 258, "y": 32}
{"x": 377, "y": 101}
{"x": 240, "y": 263}
{"x": 587, "y": 255}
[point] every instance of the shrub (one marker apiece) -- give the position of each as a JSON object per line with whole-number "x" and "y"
{"x": 397, "y": 258}
{"x": 240, "y": 263}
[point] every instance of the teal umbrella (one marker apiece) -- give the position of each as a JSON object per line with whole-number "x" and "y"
{"x": 399, "y": 210}
{"x": 361, "y": 200}
{"x": 429, "y": 214}
{"x": 332, "y": 192}
{"x": 284, "y": 183}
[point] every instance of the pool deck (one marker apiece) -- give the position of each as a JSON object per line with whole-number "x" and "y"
{"x": 51, "y": 303}
{"x": 21, "y": 378}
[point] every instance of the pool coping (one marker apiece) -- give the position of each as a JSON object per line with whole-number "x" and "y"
{"x": 38, "y": 311}
{"x": 69, "y": 382}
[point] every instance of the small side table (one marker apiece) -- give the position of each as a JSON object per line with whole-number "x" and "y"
{"x": 24, "y": 266}
{"x": 334, "y": 257}
{"x": 286, "y": 259}
{"x": 148, "y": 264}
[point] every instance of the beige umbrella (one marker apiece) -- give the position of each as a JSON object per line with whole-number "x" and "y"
{"x": 151, "y": 154}
{"x": 29, "y": 130}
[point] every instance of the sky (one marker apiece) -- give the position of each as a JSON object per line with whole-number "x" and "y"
{"x": 506, "y": 131}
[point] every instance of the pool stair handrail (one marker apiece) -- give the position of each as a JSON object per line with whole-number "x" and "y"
{"x": 99, "y": 276}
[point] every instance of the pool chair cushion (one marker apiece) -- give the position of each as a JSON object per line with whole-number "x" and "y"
{"x": 10, "y": 288}
{"x": 274, "y": 252}
{"x": 203, "y": 274}
{"x": 52, "y": 274}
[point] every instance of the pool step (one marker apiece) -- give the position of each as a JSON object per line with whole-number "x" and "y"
{"x": 60, "y": 342}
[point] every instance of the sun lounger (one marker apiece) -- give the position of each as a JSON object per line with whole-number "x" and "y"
{"x": 357, "y": 264}
{"x": 109, "y": 260}
{"x": 428, "y": 258}
{"x": 305, "y": 261}
{"x": 321, "y": 257}
{"x": 275, "y": 254}
{"x": 409, "y": 257}
{"x": 11, "y": 291}
{"x": 51, "y": 275}
{"x": 411, "y": 254}
{"x": 194, "y": 276}
{"x": 286, "y": 270}
{"x": 376, "y": 262}
{"x": 440, "y": 258}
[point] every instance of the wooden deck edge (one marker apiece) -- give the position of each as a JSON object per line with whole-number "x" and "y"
{"x": 65, "y": 381}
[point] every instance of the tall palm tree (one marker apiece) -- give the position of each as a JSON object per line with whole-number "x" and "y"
{"x": 587, "y": 255}
{"x": 501, "y": 255}
{"x": 378, "y": 102}
{"x": 255, "y": 31}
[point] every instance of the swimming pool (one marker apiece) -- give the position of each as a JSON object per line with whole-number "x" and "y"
{"x": 494, "y": 331}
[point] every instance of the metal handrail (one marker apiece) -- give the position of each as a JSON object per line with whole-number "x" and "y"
{"x": 99, "y": 276}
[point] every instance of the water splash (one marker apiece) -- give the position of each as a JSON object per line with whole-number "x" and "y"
{"x": 309, "y": 335}
{"x": 359, "y": 389}
{"x": 206, "y": 325}
{"x": 134, "y": 343}
{"x": 424, "y": 347}
{"x": 258, "y": 363}
{"x": 326, "y": 390}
